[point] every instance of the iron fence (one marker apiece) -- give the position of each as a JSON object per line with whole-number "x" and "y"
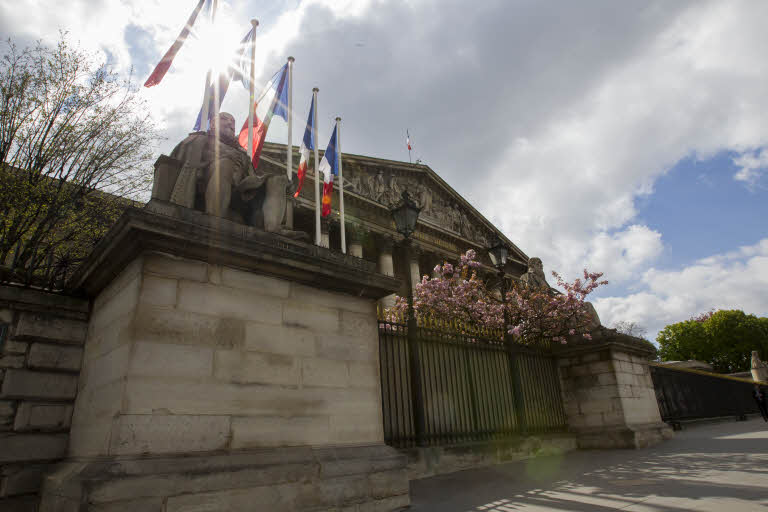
{"x": 473, "y": 386}
{"x": 688, "y": 394}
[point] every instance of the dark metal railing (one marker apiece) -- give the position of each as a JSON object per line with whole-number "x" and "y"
{"x": 474, "y": 386}
{"x": 685, "y": 394}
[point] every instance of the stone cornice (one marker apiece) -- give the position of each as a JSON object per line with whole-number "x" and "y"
{"x": 167, "y": 227}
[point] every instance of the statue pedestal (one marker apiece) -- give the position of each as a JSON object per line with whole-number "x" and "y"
{"x": 226, "y": 368}
{"x": 608, "y": 393}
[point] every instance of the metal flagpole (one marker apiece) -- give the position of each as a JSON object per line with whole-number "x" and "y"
{"x": 252, "y": 89}
{"x": 341, "y": 187}
{"x": 207, "y": 95}
{"x": 289, "y": 162}
{"x": 318, "y": 234}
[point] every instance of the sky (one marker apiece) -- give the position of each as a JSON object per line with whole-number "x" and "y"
{"x": 629, "y": 138}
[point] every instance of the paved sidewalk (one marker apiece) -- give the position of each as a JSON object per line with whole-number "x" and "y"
{"x": 719, "y": 467}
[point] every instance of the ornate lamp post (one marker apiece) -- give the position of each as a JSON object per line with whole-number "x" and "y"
{"x": 499, "y": 253}
{"x": 406, "y": 214}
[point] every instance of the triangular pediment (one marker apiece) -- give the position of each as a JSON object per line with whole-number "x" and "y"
{"x": 378, "y": 183}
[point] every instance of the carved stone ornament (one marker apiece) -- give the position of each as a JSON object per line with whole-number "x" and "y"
{"x": 534, "y": 276}
{"x": 759, "y": 368}
{"x": 221, "y": 181}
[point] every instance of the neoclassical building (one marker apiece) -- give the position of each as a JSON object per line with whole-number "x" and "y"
{"x": 447, "y": 227}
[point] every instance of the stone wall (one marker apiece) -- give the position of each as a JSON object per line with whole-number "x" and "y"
{"x": 608, "y": 393}
{"x": 39, "y": 366}
{"x": 185, "y": 356}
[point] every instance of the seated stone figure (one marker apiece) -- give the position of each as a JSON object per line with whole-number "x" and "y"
{"x": 220, "y": 180}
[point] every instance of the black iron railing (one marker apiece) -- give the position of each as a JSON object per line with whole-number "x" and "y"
{"x": 689, "y": 394}
{"x": 474, "y": 386}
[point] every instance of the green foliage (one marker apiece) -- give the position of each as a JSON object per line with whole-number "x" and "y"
{"x": 75, "y": 142}
{"x": 725, "y": 339}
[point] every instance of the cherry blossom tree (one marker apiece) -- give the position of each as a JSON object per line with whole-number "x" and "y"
{"x": 456, "y": 293}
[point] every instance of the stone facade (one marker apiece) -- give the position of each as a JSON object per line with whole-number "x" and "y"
{"x": 39, "y": 366}
{"x": 608, "y": 393}
{"x": 225, "y": 368}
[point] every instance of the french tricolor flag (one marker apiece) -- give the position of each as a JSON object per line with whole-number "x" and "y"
{"x": 273, "y": 101}
{"x": 329, "y": 166}
{"x": 307, "y": 144}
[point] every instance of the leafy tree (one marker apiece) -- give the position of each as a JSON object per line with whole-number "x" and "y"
{"x": 725, "y": 339}
{"x": 75, "y": 142}
{"x": 456, "y": 293}
{"x": 631, "y": 329}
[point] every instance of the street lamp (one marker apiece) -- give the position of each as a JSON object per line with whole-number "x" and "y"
{"x": 499, "y": 253}
{"x": 406, "y": 214}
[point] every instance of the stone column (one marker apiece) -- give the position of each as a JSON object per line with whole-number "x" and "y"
{"x": 355, "y": 240}
{"x": 325, "y": 237}
{"x": 385, "y": 245}
{"x": 414, "y": 266}
{"x": 608, "y": 393}
{"x": 289, "y": 201}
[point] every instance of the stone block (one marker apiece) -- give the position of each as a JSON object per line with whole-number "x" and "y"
{"x": 90, "y": 439}
{"x": 256, "y": 367}
{"x": 277, "y": 498}
{"x": 309, "y": 295}
{"x": 107, "y": 368}
{"x": 353, "y": 428}
{"x": 107, "y": 338}
{"x": 316, "y": 318}
{"x": 364, "y": 375}
{"x": 600, "y": 367}
{"x": 279, "y": 339}
{"x": 29, "y": 384}
{"x": 254, "y": 282}
{"x": 165, "y": 360}
{"x": 606, "y": 379}
{"x": 153, "y": 434}
{"x": 388, "y": 483}
{"x": 324, "y": 372}
{"x": 363, "y": 325}
{"x": 342, "y": 490}
{"x": 12, "y": 360}
{"x": 55, "y": 357}
{"x": 7, "y": 408}
{"x": 387, "y": 504}
{"x": 15, "y": 347}
{"x": 226, "y": 302}
{"x": 31, "y": 447}
{"x": 44, "y": 326}
{"x": 38, "y": 416}
{"x": 346, "y": 348}
{"x": 140, "y": 505}
{"x": 22, "y": 479}
{"x": 161, "y": 325}
{"x": 166, "y": 265}
{"x": 158, "y": 291}
{"x": 262, "y": 431}
{"x": 120, "y": 304}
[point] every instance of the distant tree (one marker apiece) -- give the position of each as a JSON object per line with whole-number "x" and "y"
{"x": 75, "y": 142}
{"x": 725, "y": 339}
{"x": 631, "y": 328}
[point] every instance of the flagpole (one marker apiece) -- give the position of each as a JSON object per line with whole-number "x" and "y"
{"x": 341, "y": 187}
{"x": 207, "y": 95}
{"x": 252, "y": 89}
{"x": 318, "y": 234}
{"x": 289, "y": 162}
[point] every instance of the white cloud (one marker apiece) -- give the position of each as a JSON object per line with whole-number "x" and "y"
{"x": 751, "y": 165}
{"x": 734, "y": 280}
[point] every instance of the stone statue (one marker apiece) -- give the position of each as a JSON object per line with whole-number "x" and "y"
{"x": 424, "y": 195}
{"x": 379, "y": 187}
{"x": 759, "y": 368}
{"x": 534, "y": 276}
{"x": 220, "y": 180}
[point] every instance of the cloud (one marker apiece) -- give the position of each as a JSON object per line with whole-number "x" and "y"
{"x": 752, "y": 165}
{"x": 733, "y": 280}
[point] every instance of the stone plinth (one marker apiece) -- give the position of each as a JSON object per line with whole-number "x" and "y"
{"x": 608, "y": 393}
{"x": 209, "y": 337}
